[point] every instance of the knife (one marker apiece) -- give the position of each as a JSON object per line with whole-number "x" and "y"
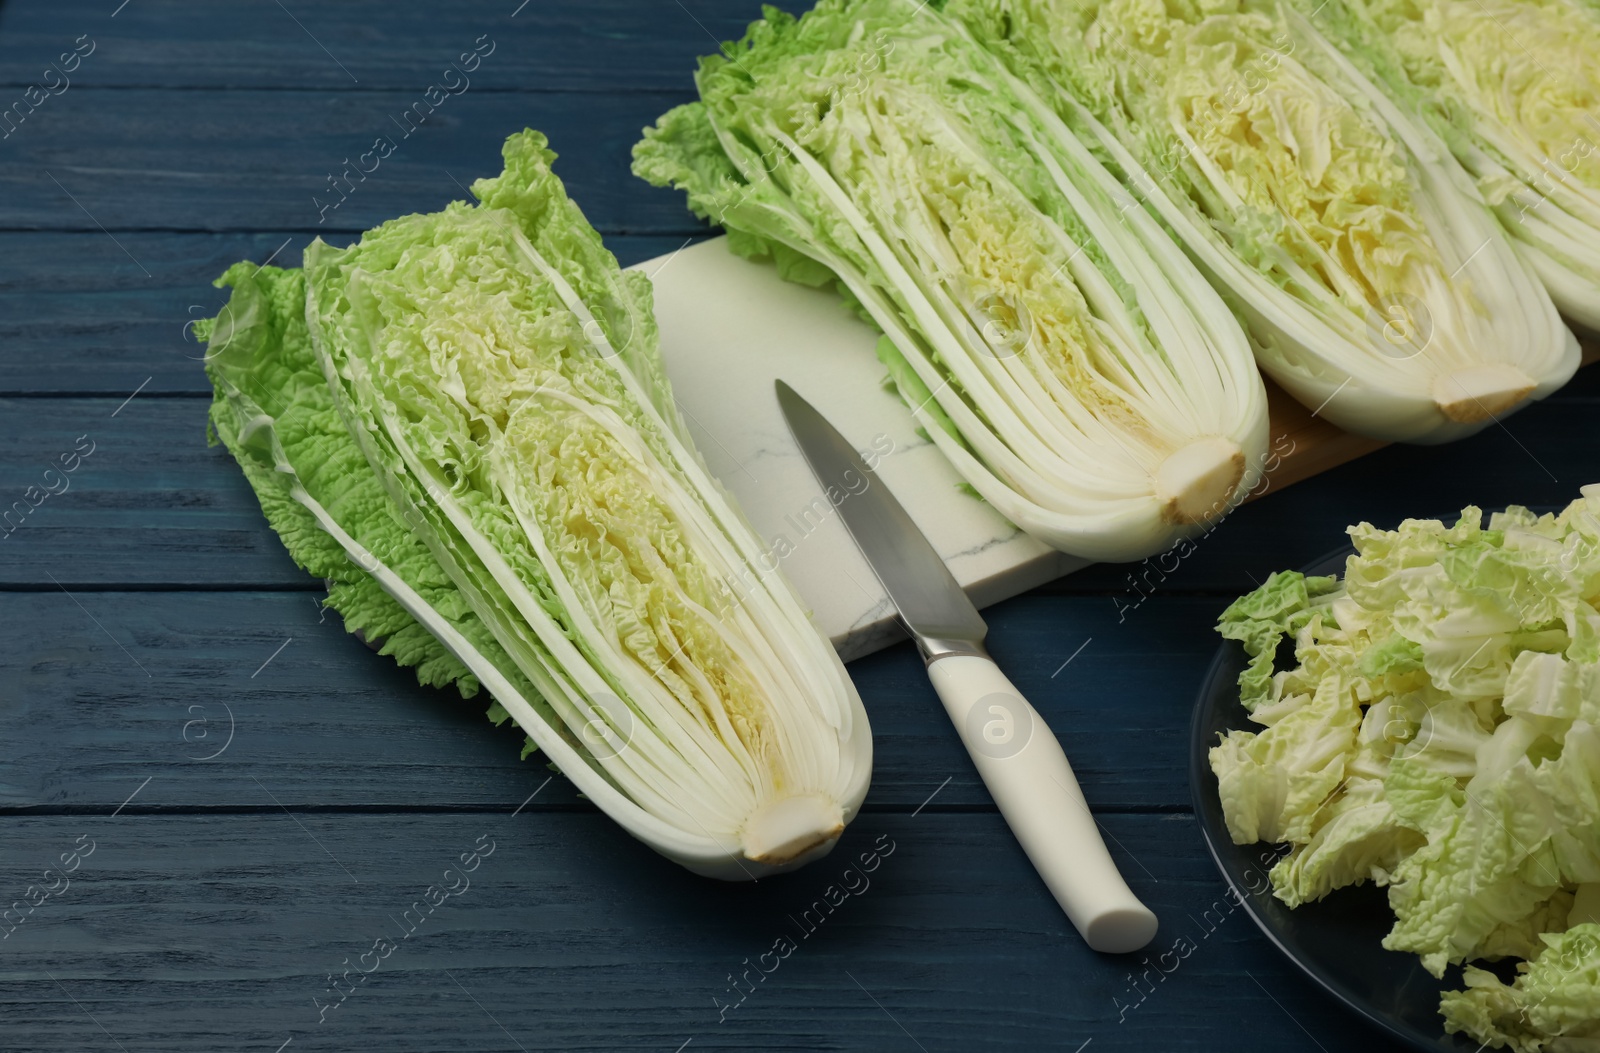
{"x": 1014, "y": 750}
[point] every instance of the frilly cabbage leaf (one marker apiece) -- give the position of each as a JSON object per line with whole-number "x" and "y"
{"x": 1375, "y": 282}
{"x": 1552, "y": 1006}
{"x": 1513, "y": 87}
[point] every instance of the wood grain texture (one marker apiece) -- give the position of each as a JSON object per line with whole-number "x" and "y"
{"x": 599, "y": 46}
{"x": 209, "y": 916}
{"x": 210, "y": 933}
{"x": 254, "y": 160}
{"x": 153, "y": 505}
{"x": 112, "y": 686}
{"x": 77, "y": 316}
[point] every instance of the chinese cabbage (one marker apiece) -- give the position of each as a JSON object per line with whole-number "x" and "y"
{"x": 1439, "y": 734}
{"x": 471, "y": 405}
{"x": 1077, "y": 372}
{"x": 1377, "y": 286}
{"x": 1514, "y": 88}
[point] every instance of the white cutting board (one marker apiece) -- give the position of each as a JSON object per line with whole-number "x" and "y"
{"x": 729, "y": 328}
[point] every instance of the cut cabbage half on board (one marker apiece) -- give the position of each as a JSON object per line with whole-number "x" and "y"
{"x": 1078, "y": 371}
{"x": 470, "y": 405}
{"x": 1514, "y": 87}
{"x": 1377, "y": 285}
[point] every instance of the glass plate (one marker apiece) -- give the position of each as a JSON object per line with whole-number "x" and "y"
{"x": 1338, "y": 940}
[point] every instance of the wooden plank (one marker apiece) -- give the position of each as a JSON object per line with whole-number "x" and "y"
{"x": 217, "y": 694}
{"x": 76, "y": 316}
{"x": 216, "y": 932}
{"x": 262, "y": 160}
{"x": 149, "y": 502}
{"x": 1314, "y": 445}
{"x": 213, "y": 931}
{"x": 154, "y": 506}
{"x": 371, "y": 44}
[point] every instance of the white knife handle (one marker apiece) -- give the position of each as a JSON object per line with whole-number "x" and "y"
{"x": 1027, "y": 773}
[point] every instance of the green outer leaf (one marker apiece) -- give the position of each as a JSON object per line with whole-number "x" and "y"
{"x": 272, "y": 401}
{"x": 1259, "y": 620}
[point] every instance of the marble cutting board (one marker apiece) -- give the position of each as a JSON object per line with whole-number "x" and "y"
{"x": 729, "y": 328}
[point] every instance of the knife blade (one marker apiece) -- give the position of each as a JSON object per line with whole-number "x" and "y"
{"x": 1018, "y": 756}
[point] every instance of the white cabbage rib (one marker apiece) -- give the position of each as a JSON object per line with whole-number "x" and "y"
{"x": 1439, "y": 347}
{"x": 1082, "y": 377}
{"x": 731, "y": 791}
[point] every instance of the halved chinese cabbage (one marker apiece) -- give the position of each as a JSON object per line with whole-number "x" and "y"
{"x": 471, "y": 404}
{"x": 1076, "y": 370}
{"x": 1377, "y": 286}
{"x": 1514, "y": 87}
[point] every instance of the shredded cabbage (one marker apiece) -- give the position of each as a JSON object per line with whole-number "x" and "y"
{"x": 1439, "y": 733}
{"x": 1552, "y": 1006}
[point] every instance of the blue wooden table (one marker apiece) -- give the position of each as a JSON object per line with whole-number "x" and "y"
{"x": 253, "y": 801}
